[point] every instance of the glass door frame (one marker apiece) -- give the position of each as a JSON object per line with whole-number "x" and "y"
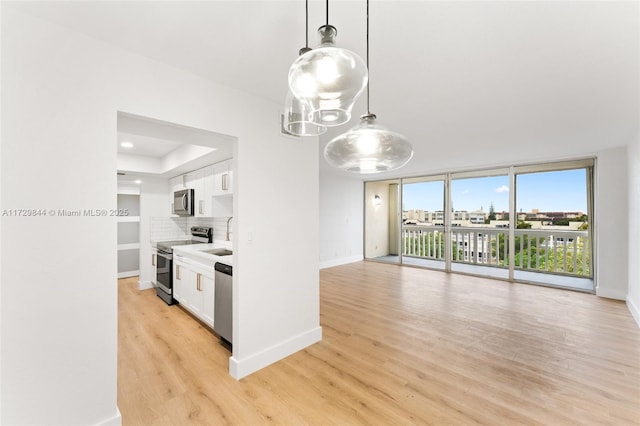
{"x": 511, "y": 171}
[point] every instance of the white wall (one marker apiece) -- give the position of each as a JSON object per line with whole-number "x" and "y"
{"x": 58, "y": 327}
{"x": 60, "y": 96}
{"x": 154, "y": 202}
{"x": 611, "y": 223}
{"x": 2, "y": 105}
{"x": 276, "y": 312}
{"x": 341, "y": 220}
{"x": 633, "y": 293}
{"x": 377, "y": 220}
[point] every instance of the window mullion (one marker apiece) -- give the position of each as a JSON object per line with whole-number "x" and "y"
{"x": 448, "y": 244}
{"x": 512, "y": 222}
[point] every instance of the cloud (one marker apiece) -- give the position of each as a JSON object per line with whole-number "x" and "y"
{"x": 466, "y": 191}
{"x": 503, "y": 188}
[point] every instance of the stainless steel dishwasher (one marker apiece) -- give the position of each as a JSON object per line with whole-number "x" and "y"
{"x": 223, "y": 312}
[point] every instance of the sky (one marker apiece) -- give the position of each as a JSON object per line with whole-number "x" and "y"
{"x": 549, "y": 191}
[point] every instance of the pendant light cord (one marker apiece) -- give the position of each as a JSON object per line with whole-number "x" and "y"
{"x": 306, "y": 24}
{"x": 368, "y": 71}
{"x": 327, "y": 12}
{"x": 306, "y": 48}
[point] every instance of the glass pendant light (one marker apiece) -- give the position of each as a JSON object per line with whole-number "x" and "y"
{"x": 298, "y": 113}
{"x": 368, "y": 147}
{"x": 297, "y": 118}
{"x": 329, "y": 79}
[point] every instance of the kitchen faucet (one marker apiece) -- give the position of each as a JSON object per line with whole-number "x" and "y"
{"x": 228, "y": 220}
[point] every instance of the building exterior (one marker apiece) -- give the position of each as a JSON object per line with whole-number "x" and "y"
{"x": 537, "y": 219}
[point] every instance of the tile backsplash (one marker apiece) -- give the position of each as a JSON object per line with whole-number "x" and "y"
{"x": 175, "y": 228}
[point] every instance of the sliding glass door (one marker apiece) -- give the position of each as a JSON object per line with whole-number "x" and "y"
{"x": 480, "y": 222}
{"x": 553, "y": 242}
{"x": 530, "y": 223}
{"x": 423, "y": 222}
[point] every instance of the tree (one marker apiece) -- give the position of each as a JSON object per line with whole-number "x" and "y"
{"x": 492, "y": 212}
{"x": 543, "y": 255}
{"x": 562, "y": 254}
{"x": 585, "y": 225}
{"x": 527, "y": 251}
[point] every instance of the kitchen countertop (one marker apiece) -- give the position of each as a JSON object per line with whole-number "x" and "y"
{"x": 154, "y": 243}
{"x": 196, "y": 252}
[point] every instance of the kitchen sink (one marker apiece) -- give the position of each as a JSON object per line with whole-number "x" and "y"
{"x": 219, "y": 252}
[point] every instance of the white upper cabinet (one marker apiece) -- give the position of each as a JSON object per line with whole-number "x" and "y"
{"x": 210, "y": 185}
{"x": 195, "y": 181}
{"x": 223, "y": 178}
{"x": 202, "y": 183}
{"x": 207, "y": 191}
{"x": 175, "y": 184}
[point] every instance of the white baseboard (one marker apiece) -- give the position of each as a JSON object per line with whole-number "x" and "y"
{"x": 128, "y": 274}
{"x": 341, "y": 261}
{"x": 611, "y": 294}
{"x": 115, "y": 420}
{"x": 634, "y": 309}
{"x": 144, "y": 285}
{"x": 239, "y": 368}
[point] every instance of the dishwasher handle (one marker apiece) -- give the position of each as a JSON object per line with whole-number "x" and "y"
{"x": 225, "y": 269}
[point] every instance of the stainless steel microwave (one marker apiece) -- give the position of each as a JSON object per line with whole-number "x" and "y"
{"x": 183, "y": 202}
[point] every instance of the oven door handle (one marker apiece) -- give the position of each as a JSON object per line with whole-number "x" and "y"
{"x": 165, "y": 255}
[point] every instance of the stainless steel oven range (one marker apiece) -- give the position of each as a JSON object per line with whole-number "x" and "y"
{"x": 164, "y": 276}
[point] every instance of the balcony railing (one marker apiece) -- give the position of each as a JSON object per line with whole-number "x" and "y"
{"x": 548, "y": 250}
{"x": 422, "y": 241}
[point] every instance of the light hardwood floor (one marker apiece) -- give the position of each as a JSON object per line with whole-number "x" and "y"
{"x": 400, "y": 346}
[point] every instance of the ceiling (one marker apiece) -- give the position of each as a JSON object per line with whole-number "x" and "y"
{"x": 145, "y": 145}
{"x": 469, "y": 83}
{"x": 165, "y": 149}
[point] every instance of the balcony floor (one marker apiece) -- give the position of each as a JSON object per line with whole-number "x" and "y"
{"x": 547, "y": 279}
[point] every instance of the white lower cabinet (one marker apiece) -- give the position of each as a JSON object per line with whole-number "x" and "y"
{"x": 207, "y": 295}
{"x": 154, "y": 265}
{"x": 178, "y": 280}
{"x": 193, "y": 287}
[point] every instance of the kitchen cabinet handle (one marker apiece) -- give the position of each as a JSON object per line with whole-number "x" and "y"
{"x": 225, "y": 183}
{"x": 178, "y": 272}
{"x": 198, "y": 283}
{"x": 200, "y": 206}
{"x": 153, "y": 260}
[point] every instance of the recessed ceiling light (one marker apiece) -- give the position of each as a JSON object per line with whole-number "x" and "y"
{"x": 126, "y": 145}
{"x": 138, "y": 182}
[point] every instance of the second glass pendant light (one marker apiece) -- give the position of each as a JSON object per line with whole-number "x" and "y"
{"x": 368, "y": 147}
